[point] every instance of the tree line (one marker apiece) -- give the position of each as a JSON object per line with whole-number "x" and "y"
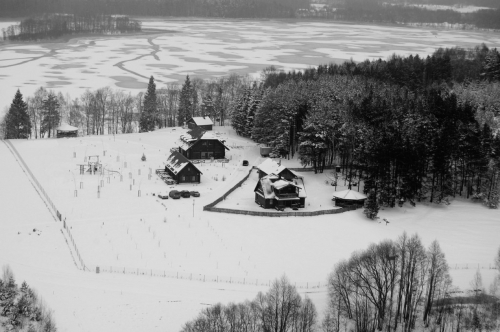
{"x": 397, "y": 13}
{"x": 411, "y": 129}
{"x": 51, "y": 26}
{"x": 390, "y": 286}
{"x": 21, "y": 309}
{"x": 107, "y": 111}
{"x": 183, "y": 8}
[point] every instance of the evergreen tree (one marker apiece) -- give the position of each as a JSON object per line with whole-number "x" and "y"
{"x": 149, "y": 114}
{"x": 239, "y": 113}
{"x": 185, "y": 103}
{"x": 371, "y": 205}
{"x": 17, "y": 120}
{"x": 253, "y": 105}
{"x": 207, "y": 107}
{"x": 50, "y": 114}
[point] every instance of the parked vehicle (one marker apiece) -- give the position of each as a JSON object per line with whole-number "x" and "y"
{"x": 194, "y": 193}
{"x": 169, "y": 181}
{"x": 162, "y": 196}
{"x": 185, "y": 194}
{"x": 174, "y": 194}
{"x": 245, "y": 162}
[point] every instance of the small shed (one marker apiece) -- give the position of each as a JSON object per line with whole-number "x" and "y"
{"x": 348, "y": 197}
{"x": 181, "y": 169}
{"x": 203, "y": 122}
{"x": 65, "y": 130}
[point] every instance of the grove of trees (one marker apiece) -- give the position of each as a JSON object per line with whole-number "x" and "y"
{"x": 21, "y": 309}
{"x": 50, "y": 26}
{"x": 411, "y": 129}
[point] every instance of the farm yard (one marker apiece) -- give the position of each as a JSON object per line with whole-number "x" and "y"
{"x": 220, "y": 257}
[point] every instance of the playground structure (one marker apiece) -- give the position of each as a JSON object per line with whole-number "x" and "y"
{"x": 93, "y": 166}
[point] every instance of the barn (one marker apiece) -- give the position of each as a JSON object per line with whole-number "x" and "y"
{"x": 65, "y": 130}
{"x": 181, "y": 169}
{"x": 272, "y": 191}
{"x": 269, "y": 166}
{"x": 202, "y": 122}
{"x": 199, "y": 144}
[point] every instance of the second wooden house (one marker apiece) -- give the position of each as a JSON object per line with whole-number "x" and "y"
{"x": 272, "y": 191}
{"x": 181, "y": 169}
{"x": 199, "y": 144}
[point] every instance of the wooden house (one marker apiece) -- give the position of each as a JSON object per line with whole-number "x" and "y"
{"x": 181, "y": 169}
{"x": 199, "y": 144}
{"x": 202, "y": 122}
{"x": 269, "y": 166}
{"x": 272, "y": 191}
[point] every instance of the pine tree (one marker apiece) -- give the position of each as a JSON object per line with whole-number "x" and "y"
{"x": 50, "y": 114}
{"x": 239, "y": 113}
{"x": 371, "y": 205}
{"x": 149, "y": 115}
{"x": 253, "y": 105}
{"x": 17, "y": 120}
{"x": 207, "y": 107}
{"x": 185, "y": 103}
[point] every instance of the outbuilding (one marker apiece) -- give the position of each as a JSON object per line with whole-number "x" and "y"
{"x": 65, "y": 130}
{"x": 203, "y": 122}
{"x": 181, "y": 169}
{"x": 348, "y": 197}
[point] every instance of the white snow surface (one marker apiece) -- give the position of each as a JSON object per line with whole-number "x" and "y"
{"x": 120, "y": 229}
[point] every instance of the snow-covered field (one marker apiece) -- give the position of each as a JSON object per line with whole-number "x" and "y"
{"x": 457, "y": 8}
{"x": 109, "y": 232}
{"x": 208, "y": 49}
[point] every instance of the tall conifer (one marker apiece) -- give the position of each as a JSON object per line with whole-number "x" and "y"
{"x": 17, "y": 120}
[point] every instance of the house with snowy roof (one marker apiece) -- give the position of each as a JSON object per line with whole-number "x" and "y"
{"x": 202, "y": 122}
{"x": 273, "y": 191}
{"x": 199, "y": 144}
{"x": 181, "y": 169}
{"x": 269, "y": 166}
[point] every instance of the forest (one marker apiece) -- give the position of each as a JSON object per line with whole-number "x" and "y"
{"x": 51, "y": 26}
{"x": 411, "y": 129}
{"x": 200, "y": 8}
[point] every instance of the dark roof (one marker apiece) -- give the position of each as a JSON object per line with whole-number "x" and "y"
{"x": 196, "y": 133}
{"x": 176, "y": 163}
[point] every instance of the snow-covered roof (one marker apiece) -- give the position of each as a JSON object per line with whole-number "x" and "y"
{"x": 66, "y": 127}
{"x": 196, "y": 134}
{"x": 269, "y": 166}
{"x": 349, "y": 194}
{"x": 176, "y": 163}
{"x": 202, "y": 120}
{"x": 268, "y": 185}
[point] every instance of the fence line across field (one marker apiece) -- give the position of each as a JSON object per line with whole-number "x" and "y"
{"x": 46, "y": 197}
{"x": 199, "y": 277}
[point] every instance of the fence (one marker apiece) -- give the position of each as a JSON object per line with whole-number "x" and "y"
{"x": 199, "y": 277}
{"x": 211, "y": 207}
{"x": 44, "y": 195}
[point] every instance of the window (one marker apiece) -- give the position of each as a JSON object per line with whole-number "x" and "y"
{"x": 193, "y": 178}
{"x": 183, "y": 178}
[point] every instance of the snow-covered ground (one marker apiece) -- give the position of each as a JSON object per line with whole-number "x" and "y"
{"x": 457, "y": 8}
{"x": 109, "y": 232}
{"x": 208, "y": 49}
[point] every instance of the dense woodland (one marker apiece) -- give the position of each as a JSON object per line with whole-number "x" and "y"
{"x": 56, "y": 25}
{"x": 201, "y": 8}
{"x": 390, "y": 286}
{"x": 411, "y": 129}
{"x": 21, "y": 309}
{"x": 342, "y": 10}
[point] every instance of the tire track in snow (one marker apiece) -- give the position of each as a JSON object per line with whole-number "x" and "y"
{"x": 156, "y": 49}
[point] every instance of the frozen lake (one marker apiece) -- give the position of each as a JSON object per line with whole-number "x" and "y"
{"x": 208, "y": 49}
